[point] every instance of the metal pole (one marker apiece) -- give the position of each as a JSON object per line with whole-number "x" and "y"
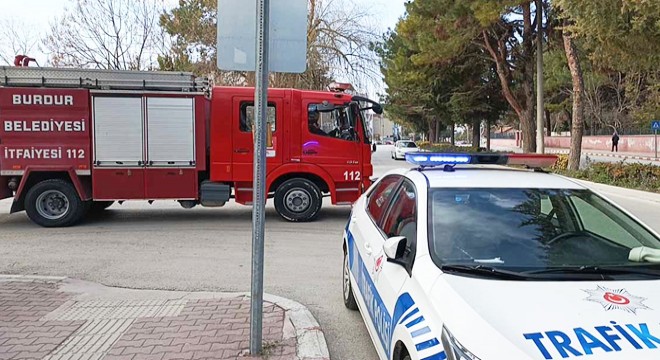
{"x": 540, "y": 124}
{"x": 655, "y": 132}
{"x": 259, "y": 186}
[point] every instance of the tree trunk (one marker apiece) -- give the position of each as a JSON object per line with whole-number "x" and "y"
{"x": 437, "y": 132}
{"x": 432, "y": 130}
{"x": 548, "y": 122}
{"x": 453, "y": 135}
{"x": 476, "y": 133}
{"x": 577, "y": 127}
{"x": 528, "y": 119}
{"x": 488, "y": 135}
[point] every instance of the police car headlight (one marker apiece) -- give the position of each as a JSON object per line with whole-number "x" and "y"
{"x": 454, "y": 349}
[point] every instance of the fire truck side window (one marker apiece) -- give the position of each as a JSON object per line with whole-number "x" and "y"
{"x": 247, "y": 116}
{"x": 335, "y": 124}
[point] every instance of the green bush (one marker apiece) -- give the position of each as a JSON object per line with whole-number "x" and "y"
{"x": 635, "y": 176}
{"x": 447, "y": 148}
{"x": 561, "y": 164}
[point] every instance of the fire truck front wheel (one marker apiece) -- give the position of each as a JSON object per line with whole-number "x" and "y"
{"x": 298, "y": 200}
{"x": 54, "y": 203}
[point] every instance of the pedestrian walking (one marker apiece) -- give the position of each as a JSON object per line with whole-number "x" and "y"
{"x": 615, "y": 142}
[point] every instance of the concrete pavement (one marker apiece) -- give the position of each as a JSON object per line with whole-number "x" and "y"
{"x": 58, "y": 318}
{"x": 165, "y": 247}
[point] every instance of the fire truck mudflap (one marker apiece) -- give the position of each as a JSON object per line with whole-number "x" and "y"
{"x": 45, "y": 141}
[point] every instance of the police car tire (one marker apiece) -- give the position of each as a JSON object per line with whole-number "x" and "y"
{"x": 75, "y": 212}
{"x": 349, "y": 300}
{"x": 306, "y": 186}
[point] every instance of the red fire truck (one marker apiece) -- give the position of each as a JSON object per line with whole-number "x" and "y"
{"x": 76, "y": 140}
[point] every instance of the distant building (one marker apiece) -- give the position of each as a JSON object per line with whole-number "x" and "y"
{"x": 382, "y": 127}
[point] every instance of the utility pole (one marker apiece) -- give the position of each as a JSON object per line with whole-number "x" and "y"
{"x": 540, "y": 123}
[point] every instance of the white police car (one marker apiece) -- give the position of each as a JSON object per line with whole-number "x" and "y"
{"x": 474, "y": 262}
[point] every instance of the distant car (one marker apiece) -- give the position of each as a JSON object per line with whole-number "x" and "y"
{"x": 388, "y": 142}
{"x": 402, "y": 147}
{"x": 480, "y": 262}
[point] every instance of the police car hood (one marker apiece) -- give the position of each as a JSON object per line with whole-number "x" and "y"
{"x": 551, "y": 320}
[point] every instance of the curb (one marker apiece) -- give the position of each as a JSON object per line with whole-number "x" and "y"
{"x": 299, "y": 323}
{"x": 310, "y": 340}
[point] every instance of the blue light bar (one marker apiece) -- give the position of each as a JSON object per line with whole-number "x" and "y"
{"x": 437, "y": 159}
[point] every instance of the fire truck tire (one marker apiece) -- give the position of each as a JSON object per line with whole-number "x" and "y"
{"x": 298, "y": 200}
{"x": 54, "y": 203}
{"x": 99, "y": 206}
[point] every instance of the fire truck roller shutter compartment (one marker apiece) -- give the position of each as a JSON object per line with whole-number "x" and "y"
{"x": 118, "y": 132}
{"x": 118, "y": 148}
{"x": 170, "y": 132}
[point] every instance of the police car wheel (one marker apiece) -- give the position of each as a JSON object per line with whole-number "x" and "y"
{"x": 349, "y": 298}
{"x": 298, "y": 200}
{"x": 54, "y": 203}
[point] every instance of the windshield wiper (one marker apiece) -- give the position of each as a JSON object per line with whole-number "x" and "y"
{"x": 604, "y": 271}
{"x": 485, "y": 271}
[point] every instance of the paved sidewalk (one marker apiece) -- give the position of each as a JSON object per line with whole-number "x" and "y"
{"x": 58, "y": 318}
{"x": 601, "y": 153}
{"x": 588, "y": 152}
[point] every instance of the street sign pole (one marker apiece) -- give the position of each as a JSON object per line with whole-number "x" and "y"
{"x": 259, "y": 187}
{"x": 655, "y": 132}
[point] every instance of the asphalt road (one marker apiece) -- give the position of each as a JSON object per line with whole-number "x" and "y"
{"x": 163, "y": 246}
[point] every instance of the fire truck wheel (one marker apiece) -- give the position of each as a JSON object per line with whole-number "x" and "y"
{"x": 54, "y": 203}
{"x": 298, "y": 200}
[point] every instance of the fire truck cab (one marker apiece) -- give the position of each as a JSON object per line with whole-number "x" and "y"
{"x": 76, "y": 140}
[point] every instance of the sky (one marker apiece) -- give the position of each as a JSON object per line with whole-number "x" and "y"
{"x": 37, "y": 14}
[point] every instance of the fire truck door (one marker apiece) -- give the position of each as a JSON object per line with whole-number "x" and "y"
{"x": 331, "y": 141}
{"x": 243, "y": 133}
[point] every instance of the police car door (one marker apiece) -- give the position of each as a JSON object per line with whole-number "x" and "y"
{"x": 389, "y": 278}
{"x": 364, "y": 238}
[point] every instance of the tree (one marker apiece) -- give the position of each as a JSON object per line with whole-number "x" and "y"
{"x": 577, "y": 127}
{"x": 614, "y": 33}
{"x": 428, "y": 89}
{"x": 503, "y": 29}
{"x": 106, "y": 34}
{"x": 16, "y": 38}
{"x": 339, "y": 40}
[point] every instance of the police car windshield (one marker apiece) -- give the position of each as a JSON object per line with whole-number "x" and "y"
{"x": 528, "y": 229}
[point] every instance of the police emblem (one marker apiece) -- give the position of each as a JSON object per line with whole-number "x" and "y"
{"x": 616, "y": 299}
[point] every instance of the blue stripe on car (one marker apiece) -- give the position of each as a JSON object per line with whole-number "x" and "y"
{"x": 422, "y": 331}
{"x": 427, "y": 344}
{"x": 381, "y": 319}
{"x": 415, "y": 322}
{"x": 415, "y": 311}
{"x": 439, "y": 356}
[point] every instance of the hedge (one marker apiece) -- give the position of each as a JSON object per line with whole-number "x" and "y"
{"x": 634, "y": 176}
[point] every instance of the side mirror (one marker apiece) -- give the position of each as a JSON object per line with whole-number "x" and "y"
{"x": 394, "y": 247}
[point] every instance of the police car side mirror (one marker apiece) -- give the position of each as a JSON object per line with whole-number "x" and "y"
{"x": 395, "y": 247}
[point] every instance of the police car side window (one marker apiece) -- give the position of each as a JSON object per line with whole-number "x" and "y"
{"x": 379, "y": 199}
{"x": 401, "y": 219}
